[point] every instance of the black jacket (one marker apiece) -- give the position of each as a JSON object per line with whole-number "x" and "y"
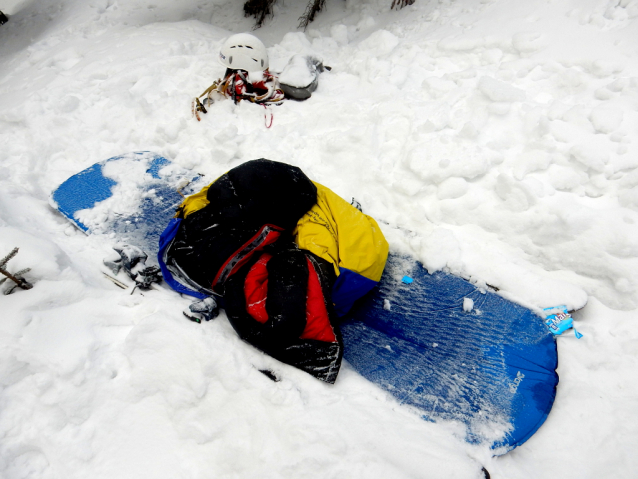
{"x": 247, "y": 226}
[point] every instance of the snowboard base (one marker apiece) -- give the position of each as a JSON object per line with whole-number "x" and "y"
{"x": 434, "y": 341}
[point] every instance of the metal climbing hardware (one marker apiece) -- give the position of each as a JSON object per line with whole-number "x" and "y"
{"x": 133, "y": 260}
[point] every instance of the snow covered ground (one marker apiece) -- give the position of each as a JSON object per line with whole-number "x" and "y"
{"x": 497, "y": 139}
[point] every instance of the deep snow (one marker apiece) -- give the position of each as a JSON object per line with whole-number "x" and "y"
{"x": 496, "y": 139}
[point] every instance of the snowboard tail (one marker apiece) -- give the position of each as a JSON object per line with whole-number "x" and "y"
{"x": 133, "y": 195}
{"x": 491, "y": 366}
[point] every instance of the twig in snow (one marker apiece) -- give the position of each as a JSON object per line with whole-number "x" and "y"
{"x": 17, "y": 277}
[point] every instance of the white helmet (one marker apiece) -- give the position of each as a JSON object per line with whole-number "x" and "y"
{"x": 244, "y": 52}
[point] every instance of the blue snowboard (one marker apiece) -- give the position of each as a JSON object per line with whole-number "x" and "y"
{"x": 131, "y": 197}
{"x": 437, "y": 343}
{"x": 455, "y": 352}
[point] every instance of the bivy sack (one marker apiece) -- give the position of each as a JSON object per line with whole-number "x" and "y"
{"x": 300, "y": 77}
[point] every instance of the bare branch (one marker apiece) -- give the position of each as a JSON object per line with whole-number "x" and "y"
{"x": 6, "y": 259}
{"x": 17, "y": 277}
{"x": 260, "y": 9}
{"x": 399, "y": 4}
{"x": 313, "y": 7}
{"x": 21, "y": 282}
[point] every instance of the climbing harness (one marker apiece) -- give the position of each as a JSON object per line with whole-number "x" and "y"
{"x": 237, "y": 87}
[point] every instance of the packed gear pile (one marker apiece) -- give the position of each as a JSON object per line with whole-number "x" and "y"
{"x": 284, "y": 256}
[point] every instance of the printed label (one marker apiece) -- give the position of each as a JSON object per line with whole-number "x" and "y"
{"x": 560, "y": 321}
{"x": 517, "y": 381}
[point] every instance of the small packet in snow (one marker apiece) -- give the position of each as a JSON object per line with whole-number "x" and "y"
{"x": 558, "y": 320}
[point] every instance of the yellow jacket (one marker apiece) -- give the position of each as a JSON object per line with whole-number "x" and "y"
{"x": 338, "y": 232}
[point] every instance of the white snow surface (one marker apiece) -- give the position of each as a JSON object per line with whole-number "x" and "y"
{"x": 495, "y": 139}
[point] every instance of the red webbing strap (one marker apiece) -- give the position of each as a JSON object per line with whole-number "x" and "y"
{"x": 268, "y": 125}
{"x": 256, "y": 289}
{"x": 317, "y": 322}
{"x": 267, "y": 235}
